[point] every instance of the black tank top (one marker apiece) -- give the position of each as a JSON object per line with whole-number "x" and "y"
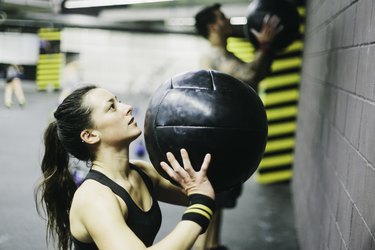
{"x": 144, "y": 224}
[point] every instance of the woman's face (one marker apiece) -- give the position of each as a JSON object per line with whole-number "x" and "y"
{"x": 112, "y": 119}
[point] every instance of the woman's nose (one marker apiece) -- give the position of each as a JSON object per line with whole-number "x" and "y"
{"x": 128, "y": 109}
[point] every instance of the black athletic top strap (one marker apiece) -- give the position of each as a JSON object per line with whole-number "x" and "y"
{"x": 145, "y": 224}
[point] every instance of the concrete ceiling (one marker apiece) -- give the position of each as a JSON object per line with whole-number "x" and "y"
{"x": 171, "y": 17}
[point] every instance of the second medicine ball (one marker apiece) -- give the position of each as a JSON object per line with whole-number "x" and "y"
{"x": 208, "y": 111}
{"x": 289, "y": 19}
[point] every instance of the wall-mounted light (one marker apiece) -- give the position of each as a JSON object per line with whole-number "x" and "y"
{"x": 238, "y": 20}
{"x": 189, "y": 21}
{"x": 74, "y": 4}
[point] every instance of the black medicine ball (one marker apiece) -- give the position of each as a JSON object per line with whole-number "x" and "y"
{"x": 208, "y": 111}
{"x": 285, "y": 10}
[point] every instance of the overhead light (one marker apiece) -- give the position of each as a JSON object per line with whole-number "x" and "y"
{"x": 238, "y": 20}
{"x": 74, "y": 4}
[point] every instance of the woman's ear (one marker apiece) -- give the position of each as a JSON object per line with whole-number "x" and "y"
{"x": 90, "y": 137}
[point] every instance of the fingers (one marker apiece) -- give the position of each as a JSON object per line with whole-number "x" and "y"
{"x": 205, "y": 164}
{"x": 169, "y": 170}
{"x": 280, "y": 28}
{"x": 189, "y": 180}
{"x": 271, "y": 22}
{"x": 185, "y": 158}
{"x": 274, "y": 21}
{"x": 175, "y": 171}
{"x": 255, "y": 32}
{"x": 266, "y": 19}
{"x": 270, "y": 28}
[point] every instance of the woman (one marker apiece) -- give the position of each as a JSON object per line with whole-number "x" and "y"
{"x": 116, "y": 206}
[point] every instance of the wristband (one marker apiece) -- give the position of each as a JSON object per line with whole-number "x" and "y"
{"x": 200, "y": 210}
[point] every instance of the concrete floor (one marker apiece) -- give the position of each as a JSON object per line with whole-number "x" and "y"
{"x": 263, "y": 218}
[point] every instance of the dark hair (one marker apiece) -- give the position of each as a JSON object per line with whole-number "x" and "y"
{"x": 204, "y": 17}
{"x": 61, "y": 138}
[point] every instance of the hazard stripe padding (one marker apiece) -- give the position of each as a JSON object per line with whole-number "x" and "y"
{"x": 247, "y": 57}
{"x": 288, "y": 63}
{"x": 245, "y": 51}
{"x": 43, "y": 30}
{"x": 278, "y": 81}
{"x": 235, "y": 43}
{"x": 50, "y": 60}
{"x": 281, "y": 128}
{"x": 48, "y": 71}
{"x": 51, "y": 56}
{"x": 281, "y": 144}
{"x": 279, "y": 97}
{"x": 47, "y": 66}
{"x": 48, "y": 81}
{"x": 302, "y": 29}
{"x": 301, "y": 11}
{"x": 280, "y": 113}
{"x": 295, "y": 46}
{"x": 48, "y": 77}
{"x": 272, "y": 177}
{"x": 277, "y": 160}
{"x": 243, "y": 48}
{"x": 279, "y": 93}
{"x": 45, "y": 83}
{"x": 50, "y": 35}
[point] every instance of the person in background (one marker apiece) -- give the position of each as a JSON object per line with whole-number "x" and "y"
{"x": 212, "y": 24}
{"x": 116, "y": 206}
{"x": 13, "y": 84}
{"x": 71, "y": 76}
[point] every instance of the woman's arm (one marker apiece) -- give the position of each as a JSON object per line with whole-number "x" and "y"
{"x": 102, "y": 215}
{"x": 164, "y": 189}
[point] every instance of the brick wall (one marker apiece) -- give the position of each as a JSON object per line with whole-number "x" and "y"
{"x": 334, "y": 167}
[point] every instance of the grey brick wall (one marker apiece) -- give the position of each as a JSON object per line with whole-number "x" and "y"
{"x": 334, "y": 166}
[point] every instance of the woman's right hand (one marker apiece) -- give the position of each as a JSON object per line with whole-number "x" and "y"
{"x": 192, "y": 182}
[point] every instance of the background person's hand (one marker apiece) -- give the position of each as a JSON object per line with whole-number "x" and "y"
{"x": 270, "y": 28}
{"x": 193, "y": 182}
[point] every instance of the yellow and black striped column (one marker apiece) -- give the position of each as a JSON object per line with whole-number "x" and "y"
{"x": 50, "y": 60}
{"x": 279, "y": 93}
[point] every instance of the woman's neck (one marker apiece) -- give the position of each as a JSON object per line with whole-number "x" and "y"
{"x": 113, "y": 164}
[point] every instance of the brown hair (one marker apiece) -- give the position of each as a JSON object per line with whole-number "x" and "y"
{"x": 205, "y": 17}
{"x": 62, "y": 138}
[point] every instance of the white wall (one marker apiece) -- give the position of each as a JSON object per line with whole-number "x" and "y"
{"x": 132, "y": 65}
{"x": 135, "y": 63}
{"x": 19, "y": 48}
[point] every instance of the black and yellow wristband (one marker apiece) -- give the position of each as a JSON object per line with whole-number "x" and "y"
{"x": 200, "y": 210}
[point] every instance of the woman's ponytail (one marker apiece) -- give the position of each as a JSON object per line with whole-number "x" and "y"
{"x": 62, "y": 140}
{"x": 56, "y": 189}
